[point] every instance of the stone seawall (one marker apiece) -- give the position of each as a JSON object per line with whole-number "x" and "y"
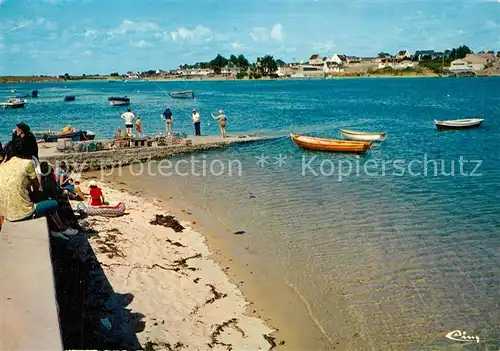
{"x": 98, "y": 160}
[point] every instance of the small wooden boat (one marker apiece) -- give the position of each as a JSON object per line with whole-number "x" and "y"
{"x": 13, "y": 103}
{"x": 119, "y": 101}
{"x": 362, "y": 136}
{"x": 323, "y": 144}
{"x": 52, "y": 137}
{"x": 459, "y": 123}
{"x": 69, "y": 98}
{"x": 188, "y": 94}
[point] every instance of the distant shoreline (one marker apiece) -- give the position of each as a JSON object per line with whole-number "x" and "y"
{"x": 34, "y": 79}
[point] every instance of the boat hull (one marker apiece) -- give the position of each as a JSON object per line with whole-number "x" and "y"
{"x": 69, "y": 98}
{"x": 331, "y": 145}
{"x": 12, "y": 105}
{"x": 458, "y": 124}
{"x": 119, "y": 103}
{"x": 81, "y": 135}
{"x": 362, "y": 136}
{"x": 182, "y": 94}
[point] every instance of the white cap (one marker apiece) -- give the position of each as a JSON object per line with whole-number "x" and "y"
{"x": 92, "y": 183}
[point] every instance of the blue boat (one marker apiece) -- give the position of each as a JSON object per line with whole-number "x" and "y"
{"x": 69, "y": 98}
{"x": 52, "y": 137}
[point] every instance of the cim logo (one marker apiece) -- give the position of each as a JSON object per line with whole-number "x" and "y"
{"x": 458, "y": 335}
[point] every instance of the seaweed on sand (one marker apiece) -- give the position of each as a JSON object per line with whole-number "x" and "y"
{"x": 167, "y": 221}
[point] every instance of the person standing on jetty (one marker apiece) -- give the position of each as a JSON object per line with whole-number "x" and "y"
{"x": 169, "y": 120}
{"x": 222, "y": 119}
{"x": 129, "y": 121}
{"x": 138, "y": 126}
{"x": 196, "y": 122}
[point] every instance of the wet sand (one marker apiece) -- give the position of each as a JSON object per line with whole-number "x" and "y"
{"x": 283, "y": 310}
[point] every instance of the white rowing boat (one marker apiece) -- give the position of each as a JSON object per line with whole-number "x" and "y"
{"x": 459, "y": 123}
{"x": 362, "y": 136}
{"x": 13, "y": 103}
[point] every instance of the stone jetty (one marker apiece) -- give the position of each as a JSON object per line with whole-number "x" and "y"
{"x": 123, "y": 156}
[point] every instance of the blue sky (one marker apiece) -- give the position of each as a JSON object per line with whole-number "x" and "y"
{"x": 59, "y": 36}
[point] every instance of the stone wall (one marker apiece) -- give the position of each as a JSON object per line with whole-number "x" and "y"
{"x": 93, "y": 161}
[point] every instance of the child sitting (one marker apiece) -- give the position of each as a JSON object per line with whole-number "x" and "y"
{"x": 96, "y": 196}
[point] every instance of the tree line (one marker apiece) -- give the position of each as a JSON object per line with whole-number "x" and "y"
{"x": 264, "y": 66}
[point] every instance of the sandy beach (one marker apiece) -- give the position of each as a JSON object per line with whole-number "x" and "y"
{"x": 186, "y": 299}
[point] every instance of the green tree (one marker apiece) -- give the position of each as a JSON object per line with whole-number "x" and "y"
{"x": 114, "y": 74}
{"x": 383, "y": 54}
{"x": 268, "y": 65}
{"x": 242, "y": 62}
{"x": 233, "y": 60}
{"x": 462, "y": 51}
{"x": 218, "y": 62}
{"x": 66, "y": 76}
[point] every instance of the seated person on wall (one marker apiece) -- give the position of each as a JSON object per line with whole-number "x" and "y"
{"x": 18, "y": 184}
{"x": 52, "y": 191}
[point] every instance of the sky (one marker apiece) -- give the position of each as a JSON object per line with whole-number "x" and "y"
{"x": 54, "y": 37}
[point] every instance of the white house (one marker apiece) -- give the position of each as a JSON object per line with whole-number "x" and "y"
{"x": 403, "y": 55}
{"x": 470, "y": 62}
{"x": 308, "y": 71}
{"x": 397, "y": 65}
{"x": 230, "y": 71}
{"x": 316, "y": 60}
{"x": 332, "y": 67}
{"x": 340, "y": 59}
{"x": 195, "y": 71}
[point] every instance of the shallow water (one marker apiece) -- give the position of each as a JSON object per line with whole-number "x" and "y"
{"x": 386, "y": 253}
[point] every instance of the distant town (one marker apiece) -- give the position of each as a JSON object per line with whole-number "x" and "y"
{"x": 459, "y": 61}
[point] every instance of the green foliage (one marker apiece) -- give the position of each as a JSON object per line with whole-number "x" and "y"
{"x": 218, "y": 62}
{"x": 457, "y": 53}
{"x": 242, "y": 62}
{"x": 114, "y": 74}
{"x": 267, "y": 65}
{"x": 436, "y": 66}
{"x": 240, "y": 75}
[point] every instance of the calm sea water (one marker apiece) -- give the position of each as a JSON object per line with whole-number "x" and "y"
{"x": 391, "y": 250}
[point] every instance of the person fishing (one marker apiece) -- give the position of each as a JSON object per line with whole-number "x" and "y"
{"x": 169, "y": 120}
{"x": 222, "y": 119}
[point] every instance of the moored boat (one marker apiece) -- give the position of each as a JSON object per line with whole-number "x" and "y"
{"x": 187, "y": 94}
{"x": 34, "y": 93}
{"x": 13, "y": 103}
{"x": 69, "y": 98}
{"x": 323, "y": 144}
{"x": 52, "y": 137}
{"x": 459, "y": 123}
{"x": 362, "y": 136}
{"x": 119, "y": 101}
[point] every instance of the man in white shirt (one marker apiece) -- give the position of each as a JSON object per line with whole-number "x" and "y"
{"x": 196, "y": 121}
{"x": 129, "y": 121}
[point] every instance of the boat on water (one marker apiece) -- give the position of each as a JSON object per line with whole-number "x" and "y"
{"x": 119, "y": 101}
{"x": 23, "y": 96}
{"x": 13, "y": 103}
{"x": 459, "y": 123}
{"x": 34, "y": 93}
{"x": 334, "y": 145}
{"x": 187, "y": 94}
{"x": 362, "y": 136}
{"x": 74, "y": 135}
{"x": 69, "y": 98}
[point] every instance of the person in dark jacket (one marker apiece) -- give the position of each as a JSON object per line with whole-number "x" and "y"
{"x": 24, "y": 143}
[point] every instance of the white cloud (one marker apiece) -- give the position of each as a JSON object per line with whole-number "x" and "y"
{"x": 262, "y": 34}
{"x": 43, "y": 22}
{"x": 277, "y": 32}
{"x": 491, "y": 25}
{"x": 90, "y": 33}
{"x": 87, "y": 53}
{"x": 237, "y": 46}
{"x": 128, "y": 26}
{"x": 199, "y": 32}
{"x": 142, "y": 44}
{"x": 323, "y": 47}
{"x": 2, "y": 1}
